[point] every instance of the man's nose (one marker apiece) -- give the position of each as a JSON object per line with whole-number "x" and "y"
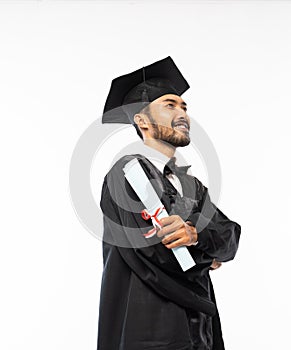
{"x": 182, "y": 112}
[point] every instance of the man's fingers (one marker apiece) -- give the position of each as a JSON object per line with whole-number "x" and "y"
{"x": 170, "y": 238}
{"x": 168, "y": 220}
{"x": 177, "y": 243}
{"x": 179, "y": 234}
{"x": 171, "y": 219}
{"x": 170, "y": 224}
{"x": 165, "y": 230}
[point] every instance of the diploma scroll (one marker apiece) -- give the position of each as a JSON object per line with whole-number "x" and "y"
{"x": 140, "y": 183}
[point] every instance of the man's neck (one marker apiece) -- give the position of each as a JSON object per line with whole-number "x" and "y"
{"x": 160, "y": 146}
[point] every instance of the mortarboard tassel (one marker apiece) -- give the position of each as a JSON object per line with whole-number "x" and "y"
{"x": 144, "y": 95}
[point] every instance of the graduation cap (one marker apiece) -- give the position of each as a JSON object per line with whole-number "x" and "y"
{"x": 130, "y": 93}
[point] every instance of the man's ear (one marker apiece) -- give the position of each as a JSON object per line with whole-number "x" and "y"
{"x": 141, "y": 120}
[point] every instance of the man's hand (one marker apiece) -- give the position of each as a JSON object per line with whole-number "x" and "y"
{"x": 177, "y": 232}
{"x": 215, "y": 264}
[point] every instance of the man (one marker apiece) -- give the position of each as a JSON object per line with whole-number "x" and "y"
{"x": 147, "y": 301}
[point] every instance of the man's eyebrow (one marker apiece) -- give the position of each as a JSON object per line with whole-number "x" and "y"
{"x": 174, "y": 101}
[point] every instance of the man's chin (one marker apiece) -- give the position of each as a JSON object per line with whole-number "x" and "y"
{"x": 182, "y": 139}
{"x": 181, "y": 142}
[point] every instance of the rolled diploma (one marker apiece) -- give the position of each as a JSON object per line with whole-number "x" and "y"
{"x": 140, "y": 183}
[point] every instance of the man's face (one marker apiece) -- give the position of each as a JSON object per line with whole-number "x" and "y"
{"x": 169, "y": 120}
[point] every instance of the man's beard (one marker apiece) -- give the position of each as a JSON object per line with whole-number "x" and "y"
{"x": 170, "y": 135}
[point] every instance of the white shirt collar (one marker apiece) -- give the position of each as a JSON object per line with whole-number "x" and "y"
{"x": 157, "y": 158}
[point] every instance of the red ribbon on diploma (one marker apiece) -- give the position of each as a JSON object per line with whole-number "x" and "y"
{"x": 156, "y": 222}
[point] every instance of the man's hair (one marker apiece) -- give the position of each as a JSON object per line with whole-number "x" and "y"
{"x": 147, "y": 112}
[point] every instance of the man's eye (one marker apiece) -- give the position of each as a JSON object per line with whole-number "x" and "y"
{"x": 170, "y": 105}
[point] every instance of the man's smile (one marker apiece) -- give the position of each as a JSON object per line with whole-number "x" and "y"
{"x": 181, "y": 125}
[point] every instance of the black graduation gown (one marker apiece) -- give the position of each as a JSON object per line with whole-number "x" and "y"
{"x": 146, "y": 300}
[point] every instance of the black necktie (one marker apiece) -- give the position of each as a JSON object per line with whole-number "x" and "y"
{"x": 172, "y": 168}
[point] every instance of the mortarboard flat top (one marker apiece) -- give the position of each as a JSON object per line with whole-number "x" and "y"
{"x": 131, "y": 92}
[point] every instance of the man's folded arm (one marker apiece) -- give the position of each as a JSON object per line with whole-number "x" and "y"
{"x": 217, "y": 235}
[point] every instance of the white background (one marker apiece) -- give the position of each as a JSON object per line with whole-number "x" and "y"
{"x": 56, "y": 64}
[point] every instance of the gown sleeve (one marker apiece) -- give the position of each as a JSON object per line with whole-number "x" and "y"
{"x": 218, "y": 236}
